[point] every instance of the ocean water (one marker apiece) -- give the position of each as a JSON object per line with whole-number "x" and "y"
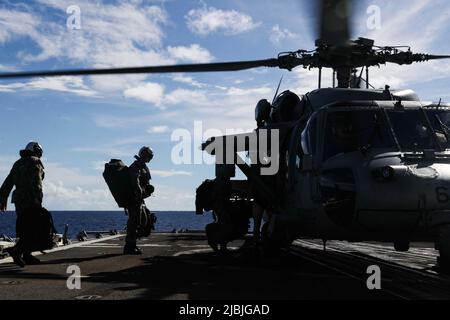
{"x": 110, "y": 220}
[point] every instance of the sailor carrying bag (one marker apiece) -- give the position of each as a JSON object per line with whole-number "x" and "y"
{"x": 42, "y": 234}
{"x": 117, "y": 177}
{"x": 147, "y": 221}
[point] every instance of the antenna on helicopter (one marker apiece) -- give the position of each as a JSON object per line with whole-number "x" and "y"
{"x": 320, "y": 77}
{"x": 278, "y": 89}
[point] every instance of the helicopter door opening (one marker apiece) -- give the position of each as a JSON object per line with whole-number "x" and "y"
{"x": 307, "y": 147}
{"x": 301, "y": 165}
{"x": 348, "y": 135}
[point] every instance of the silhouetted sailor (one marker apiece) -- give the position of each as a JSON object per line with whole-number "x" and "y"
{"x": 231, "y": 212}
{"x": 142, "y": 189}
{"x": 26, "y": 175}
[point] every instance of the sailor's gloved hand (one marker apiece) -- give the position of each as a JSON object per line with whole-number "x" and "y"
{"x": 3, "y": 207}
{"x": 149, "y": 189}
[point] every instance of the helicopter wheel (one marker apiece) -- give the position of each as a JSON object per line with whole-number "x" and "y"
{"x": 270, "y": 245}
{"x": 401, "y": 245}
{"x": 444, "y": 248}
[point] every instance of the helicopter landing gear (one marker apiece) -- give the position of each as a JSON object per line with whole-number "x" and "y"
{"x": 401, "y": 245}
{"x": 443, "y": 244}
{"x": 271, "y": 245}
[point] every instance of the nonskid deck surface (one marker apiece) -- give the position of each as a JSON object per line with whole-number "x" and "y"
{"x": 178, "y": 266}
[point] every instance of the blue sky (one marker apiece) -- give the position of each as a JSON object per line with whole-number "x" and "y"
{"x": 83, "y": 122}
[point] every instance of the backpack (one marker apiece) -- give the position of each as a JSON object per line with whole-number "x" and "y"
{"x": 117, "y": 177}
{"x": 43, "y": 231}
{"x": 204, "y": 199}
{"x": 147, "y": 223}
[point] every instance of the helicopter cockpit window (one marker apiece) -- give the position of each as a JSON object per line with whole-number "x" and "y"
{"x": 349, "y": 131}
{"x": 308, "y": 138}
{"x": 440, "y": 120}
{"x": 412, "y": 129}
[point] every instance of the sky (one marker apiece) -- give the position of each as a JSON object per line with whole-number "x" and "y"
{"x": 82, "y": 122}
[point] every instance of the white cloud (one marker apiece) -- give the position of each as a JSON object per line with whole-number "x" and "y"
{"x": 149, "y": 92}
{"x": 228, "y": 107}
{"x": 5, "y": 68}
{"x": 193, "y": 53}
{"x": 119, "y": 34}
{"x": 419, "y": 24}
{"x": 58, "y": 174}
{"x": 72, "y": 85}
{"x": 154, "y": 93}
{"x": 188, "y": 80}
{"x": 278, "y": 34}
{"x": 112, "y": 35}
{"x": 172, "y": 198}
{"x": 58, "y": 196}
{"x": 170, "y": 173}
{"x": 158, "y": 129}
{"x": 106, "y": 35}
{"x": 179, "y": 96}
{"x": 250, "y": 91}
{"x": 302, "y": 80}
{"x": 11, "y": 87}
{"x": 109, "y": 151}
{"x": 98, "y": 165}
{"x": 16, "y": 23}
{"x": 208, "y": 20}
{"x": 108, "y": 121}
{"x": 124, "y": 147}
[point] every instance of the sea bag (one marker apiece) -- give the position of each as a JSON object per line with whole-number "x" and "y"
{"x": 117, "y": 177}
{"x": 42, "y": 234}
{"x": 147, "y": 221}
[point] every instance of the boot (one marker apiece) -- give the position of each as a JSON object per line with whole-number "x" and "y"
{"x": 28, "y": 258}
{"x": 131, "y": 250}
{"x": 17, "y": 257}
{"x": 214, "y": 246}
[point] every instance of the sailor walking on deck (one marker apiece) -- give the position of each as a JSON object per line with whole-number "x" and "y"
{"x": 26, "y": 175}
{"x": 142, "y": 189}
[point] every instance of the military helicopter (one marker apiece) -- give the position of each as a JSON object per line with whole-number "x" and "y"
{"x": 355, "y": 164}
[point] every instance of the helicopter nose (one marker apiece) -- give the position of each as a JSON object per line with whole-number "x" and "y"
{"x": 404, "y": 186}
{"x": 403, "y": 196}
{"x": 389, "y": 173}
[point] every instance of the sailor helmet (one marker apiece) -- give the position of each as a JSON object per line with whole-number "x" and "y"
{"x": 36, "y": 148}
{"x": 146, "y": 152}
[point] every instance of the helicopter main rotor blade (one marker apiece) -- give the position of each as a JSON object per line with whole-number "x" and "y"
{"x": 334, "y": 22}
{"x": 435, "y": 57}
{"x": 205, "y": 67}
{"x": 409, "y": 57}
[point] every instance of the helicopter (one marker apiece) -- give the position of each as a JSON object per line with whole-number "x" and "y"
{"x": 354, "y": 163}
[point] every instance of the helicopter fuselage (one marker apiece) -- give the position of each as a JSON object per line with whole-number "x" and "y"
{"x": 363, "y": 171}
{"x": 360, "y": 165}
